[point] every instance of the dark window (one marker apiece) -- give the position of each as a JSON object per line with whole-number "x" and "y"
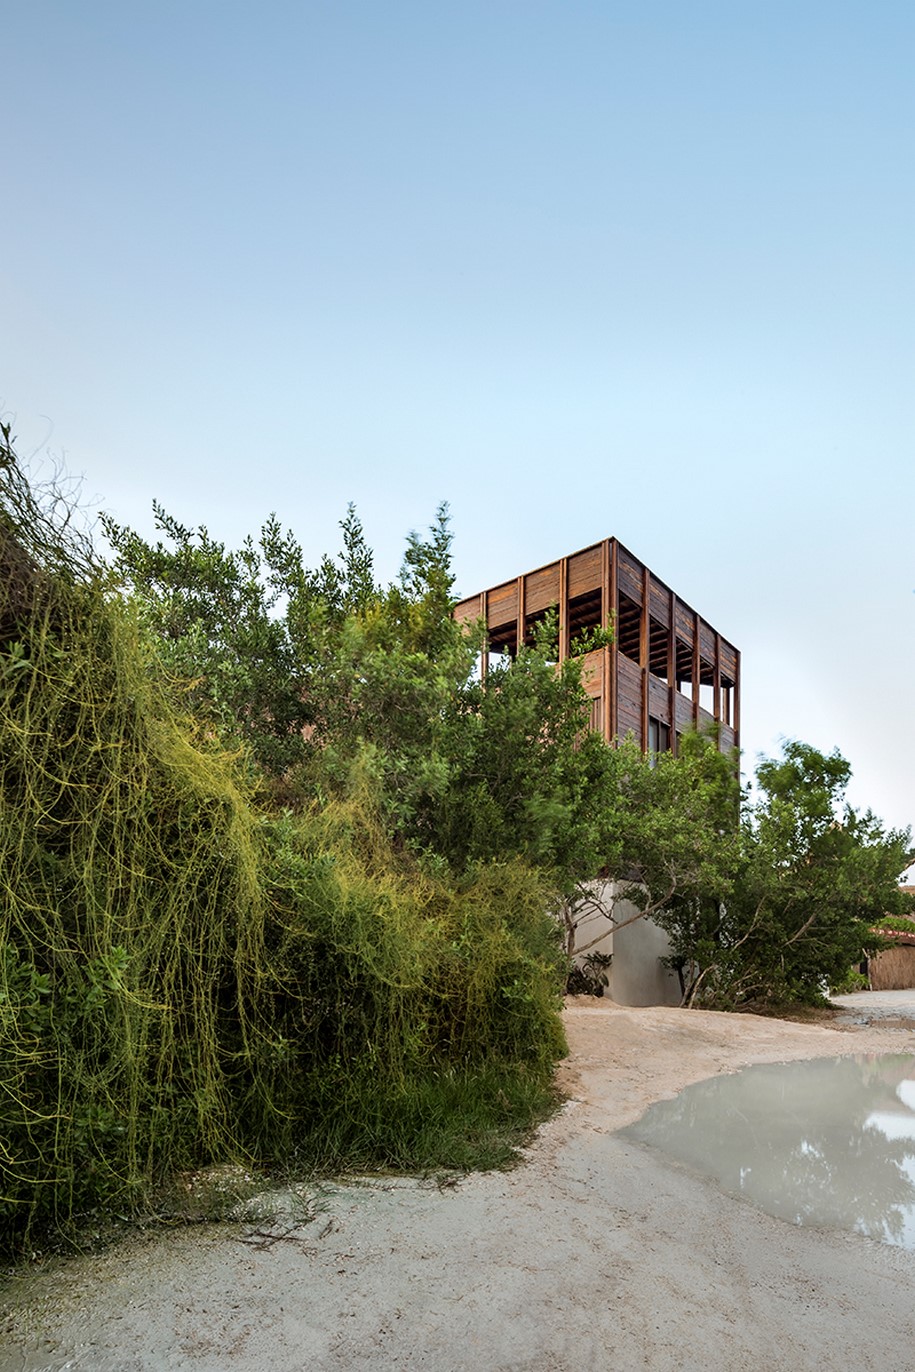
{"x": 658, "y": 737}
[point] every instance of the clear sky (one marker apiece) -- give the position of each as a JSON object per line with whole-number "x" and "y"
{"x": 579, "y": 268}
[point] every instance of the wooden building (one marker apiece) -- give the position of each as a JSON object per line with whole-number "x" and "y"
{"x": 666, "y": 671}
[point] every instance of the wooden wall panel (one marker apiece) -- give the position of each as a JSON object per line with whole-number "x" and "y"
{"x": 683, "y": 618}
{"x": 541, "y": 589}
{"x": 726, "y": 739}
{"x": 706, "y": 641}
{"x": 629, "y": 698}
{"x": 468, "y": 610}
{"x": 592, "y": 672}
{"x": 660, "y": 602}
{"x": 728, "y": 660}
{"x": 503, "y": 604}
{"x": 630, "y": 576}
{"x": 684, "y": 714}
{"x": 584, "y": 571}
{"x": 658, "y": 700}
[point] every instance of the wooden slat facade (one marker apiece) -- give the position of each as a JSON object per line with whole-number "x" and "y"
{"x": 667, "y": 670}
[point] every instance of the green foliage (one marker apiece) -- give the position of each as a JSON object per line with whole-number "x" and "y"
{"x": 900, "y": 924}
{"x": 852, "y": 981}
{"x": 527, "y": 777}
{"x": 590, "y": 977}
{"x": 186, "y": 979}
{"x": 316, "y": 672}
{"x": 390, "y": 669}
{"x": 210, "y": 612}
{"x": 810, "y": 878}
{"x": 330, "y": 677}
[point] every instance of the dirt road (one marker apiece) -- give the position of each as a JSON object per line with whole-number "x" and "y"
{"x": 594, "y": 1253}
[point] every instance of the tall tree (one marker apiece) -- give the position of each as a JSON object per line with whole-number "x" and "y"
{"x": 809, "y": 878}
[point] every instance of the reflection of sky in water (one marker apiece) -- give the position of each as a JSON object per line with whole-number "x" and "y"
{"x": 896, "y": 1125}
{"x": 828, "y": 1142}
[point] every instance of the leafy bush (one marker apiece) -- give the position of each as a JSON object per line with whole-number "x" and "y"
{"x": 900, "y": 924}
{"x": 187, "y": 979}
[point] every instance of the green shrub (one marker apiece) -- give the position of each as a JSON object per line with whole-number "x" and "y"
{"x": 186, "y": 980}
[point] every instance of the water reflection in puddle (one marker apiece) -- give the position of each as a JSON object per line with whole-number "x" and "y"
{"x": 828, "y": 1142}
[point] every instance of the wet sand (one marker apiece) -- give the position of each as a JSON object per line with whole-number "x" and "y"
{"x": 595, "y": 1251}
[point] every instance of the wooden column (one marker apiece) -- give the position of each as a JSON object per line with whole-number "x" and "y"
{"x": 606, "y": 667}
{"x": 614, "y": 725}
{"x": 695, "y": 670}
{"x": 672, "y": 669}
{"x": 563, "y": 609}
{"x": 736, "y": 722}
{"x": 644, "y": 653}
{"x": 521, "y": 622}
{"x": 484, "y": 615}
{"x": 716, "y": 678}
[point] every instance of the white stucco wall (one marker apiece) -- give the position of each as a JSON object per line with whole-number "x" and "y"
{"x": 636, "y": 975}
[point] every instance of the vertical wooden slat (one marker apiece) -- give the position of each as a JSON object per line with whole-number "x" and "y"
{"x": 672, "y": 668}
{"x": 736, "y": 720}
{"x": 522, "y": 616}
{"x": 716, "y": 677}
{"x": 484, "y": 652}
{"x": 695, "y": 670}
{"x": 605, "y": 583}
{"x": 605, "y": 663}
{"x": 644, "y": 655}
{"x": 613, "y": 727}
{"x": 563, "y": 609}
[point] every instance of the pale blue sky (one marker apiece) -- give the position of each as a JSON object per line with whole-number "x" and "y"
{"x": 580, "y": 269}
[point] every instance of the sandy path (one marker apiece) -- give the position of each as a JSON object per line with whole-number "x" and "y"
{"x": 595, "y": 1252}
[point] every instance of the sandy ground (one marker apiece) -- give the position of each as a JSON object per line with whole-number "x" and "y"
{"x": 595, "y": 1252}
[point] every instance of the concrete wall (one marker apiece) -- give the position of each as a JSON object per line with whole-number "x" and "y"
{"x": 636, "y": 974}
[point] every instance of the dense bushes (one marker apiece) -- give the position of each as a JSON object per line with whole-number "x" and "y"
{"x": 190, "y": 977}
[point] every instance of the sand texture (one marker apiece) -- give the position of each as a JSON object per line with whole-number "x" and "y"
{"x": 594, "y": 1253}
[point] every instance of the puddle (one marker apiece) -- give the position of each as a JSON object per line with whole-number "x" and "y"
{"x": 827, "y": 1142}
